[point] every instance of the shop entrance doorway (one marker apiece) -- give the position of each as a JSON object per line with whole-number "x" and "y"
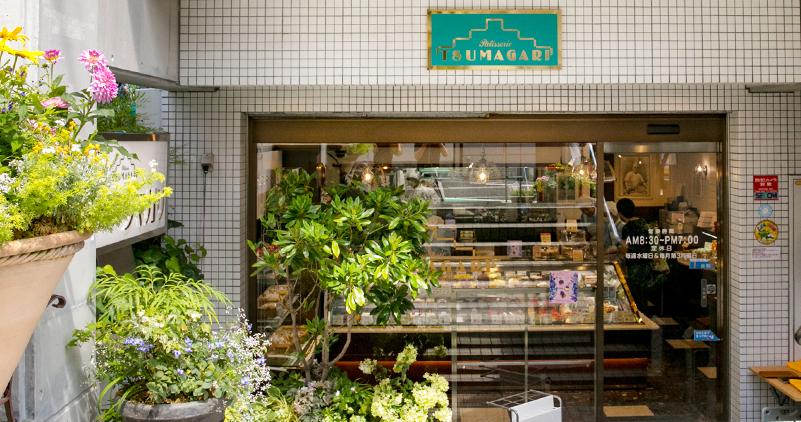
{"x": 519, "y": 204}
{"x": 669, "y": 195}
{"x": 795, "y": 276}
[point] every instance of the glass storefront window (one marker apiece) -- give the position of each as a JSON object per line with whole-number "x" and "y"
{"x": 514, "y": 231}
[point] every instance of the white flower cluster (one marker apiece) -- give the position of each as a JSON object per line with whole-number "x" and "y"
{"x": 393, "y": 405}
{"x": 405, "y": 358}
{"x": 367, "y": 366}
{"x": 6, "y": 183}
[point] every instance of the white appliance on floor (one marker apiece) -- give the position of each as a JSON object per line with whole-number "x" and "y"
{"x": 531, "y": 406}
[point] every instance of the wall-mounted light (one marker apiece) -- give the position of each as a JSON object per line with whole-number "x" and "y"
{"x": 701, "y": 171}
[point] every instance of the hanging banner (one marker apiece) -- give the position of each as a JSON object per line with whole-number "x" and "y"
{"x": 495, "y": 39}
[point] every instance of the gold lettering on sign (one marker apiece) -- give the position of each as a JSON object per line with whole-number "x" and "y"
{"x": 536, "y": 55}
{"x": 511, "y": 55}
{"x": 474, "y": 56}
{"x": 547, "y": 55}
{"x": 523, "y": 55}
{"x": 499, "y": 55}
{"x": 457, "y": 55}
{"x": 487, "y": 54}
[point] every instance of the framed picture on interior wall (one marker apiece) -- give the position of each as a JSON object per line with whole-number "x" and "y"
{"x": 636, "y": 178}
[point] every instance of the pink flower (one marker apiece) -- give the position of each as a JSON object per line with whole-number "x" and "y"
{"x": 92, "y": 59}
{"x": 52, "y": 55}
{"x": 104, "y": 85}
{"x": 55, "y": 102}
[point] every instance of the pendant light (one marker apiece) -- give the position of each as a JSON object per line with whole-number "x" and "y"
{"x": 367, "y": 176}
{"x": 480, "y": 172}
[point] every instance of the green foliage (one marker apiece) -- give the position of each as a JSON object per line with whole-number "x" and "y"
{"x": 170, "y": 256}
{"x": 152, "y": 344}
{"x": 152, "y": 292}
{"x": 125, "y": 117}
{"x": 394, "y": 398}
{"x": 359, "y": 149}
{"x": 53, "y": 178}
{"x": 365, "y": 246}
{"x": 272, "y": 406}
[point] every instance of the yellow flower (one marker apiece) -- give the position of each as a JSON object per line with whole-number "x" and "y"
{"x": 30, "y": 55}
{"x": 14, "y": 35}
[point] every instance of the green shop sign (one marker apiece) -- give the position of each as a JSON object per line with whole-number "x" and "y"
{"x": 495, "y": 39}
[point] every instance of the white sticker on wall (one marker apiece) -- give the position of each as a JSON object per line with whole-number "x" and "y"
{"x": 766, "y": 254}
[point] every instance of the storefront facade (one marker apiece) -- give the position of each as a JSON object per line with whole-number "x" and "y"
{"x": 369, "y": 61}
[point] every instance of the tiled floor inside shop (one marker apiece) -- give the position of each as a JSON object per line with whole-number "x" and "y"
{"x": 683, "y": 390}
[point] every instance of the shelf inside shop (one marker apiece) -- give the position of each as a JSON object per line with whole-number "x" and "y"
{"x": 503, "y": 204}
{"x": 504, "y": 261}
{"x": 474, "y": 244}
{"x": 507, "y": 225}
{"x": 647, "y": 324}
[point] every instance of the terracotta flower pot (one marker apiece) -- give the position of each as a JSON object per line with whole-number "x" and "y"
{"x": 29, "y": 272}
{"x": 212, "y": 410}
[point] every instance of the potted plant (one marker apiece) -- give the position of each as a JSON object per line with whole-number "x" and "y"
{"x": 154, "y": 343}
{"x": 365, "y": 246}
{"x": 57, "y": 184}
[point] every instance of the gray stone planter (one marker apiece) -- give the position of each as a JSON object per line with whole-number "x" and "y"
{"x": 212, "y": 410}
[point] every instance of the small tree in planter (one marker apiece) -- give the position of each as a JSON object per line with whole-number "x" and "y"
{"x": 360, "y": 245}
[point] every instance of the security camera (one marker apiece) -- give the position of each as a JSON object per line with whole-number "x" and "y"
{"x": 207, "y": 162}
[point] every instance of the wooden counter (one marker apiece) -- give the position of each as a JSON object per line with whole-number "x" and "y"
{"x": 771, "y": 375}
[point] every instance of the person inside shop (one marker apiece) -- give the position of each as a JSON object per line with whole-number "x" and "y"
{"x": 612, "y": 241}
{"x": 384, "y": 153}
{"x": 429, "y": 155}
{"x": 588, "y": 220}
{"x": 640, "y": 277}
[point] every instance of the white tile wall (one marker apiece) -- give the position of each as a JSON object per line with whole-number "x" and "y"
{"x": 620, "y": 56}
{"x": 383, "y": 42}
{"x": 764, "y": 134}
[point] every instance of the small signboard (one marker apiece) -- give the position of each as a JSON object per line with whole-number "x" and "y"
{"x": 610, "y": 294}
{"x": 766, "y": 188}
{"x": 765, "y": 211}
{"x": 705, "y": 335}
{"x": 475, "y": 39}
{"x": 564, "y": 287}
{"x": 766, "y": 253}
{"x": 700, "y": 264}
{"x": 766, "y": 232}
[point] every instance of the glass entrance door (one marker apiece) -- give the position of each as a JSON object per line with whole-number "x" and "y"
{"x": 665, "y": 204}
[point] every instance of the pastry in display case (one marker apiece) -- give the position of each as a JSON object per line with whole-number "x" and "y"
{"x": 508, "y": 294}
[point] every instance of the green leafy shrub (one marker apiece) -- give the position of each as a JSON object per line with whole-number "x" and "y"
{"x": 365, "y": 246}
{"x": 170, "y": 256}
{"x": 338, "y": 399}
{"x": 154, "y": 343}
{"x": 125, "y": 117}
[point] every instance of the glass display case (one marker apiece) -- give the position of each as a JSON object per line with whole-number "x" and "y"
{"x": 512, "y": 296}
{"x": 513, "y": 230}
